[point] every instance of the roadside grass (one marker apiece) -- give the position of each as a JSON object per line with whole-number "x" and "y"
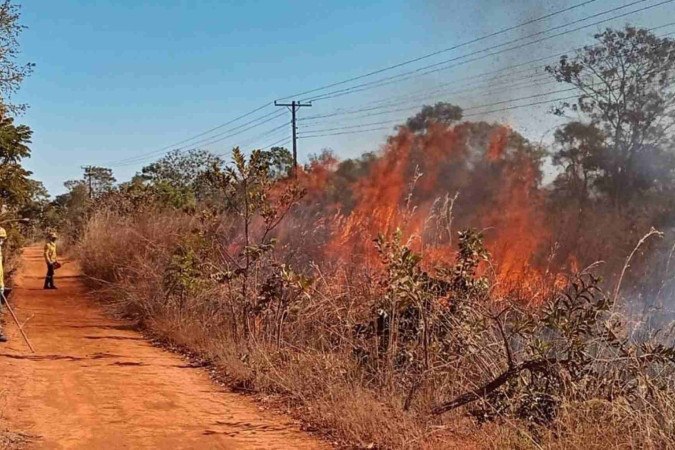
{"x": 309, "y": 361}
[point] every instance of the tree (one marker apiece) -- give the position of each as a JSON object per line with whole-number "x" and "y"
{"x": 180, "y": 169}
{"x": 17, "y": 190}
{"x": 39, "y": 209}
{"x": 261, "y": 202}
{"x": 626, "y": 86}
{"x": 99, "y": 180}
{"x": 95, "y": 181}
{"x": 71, "y": 209}
{"x": 279, "y": 161}
{"x": 16, "y": 187}
{"x": 180, "y": 178}
{"x": 580, "y": 151}
{"x": 11, "y": 72}
{"x": 442, "y": 113}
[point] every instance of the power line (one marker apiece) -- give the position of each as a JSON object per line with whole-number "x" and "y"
{"x": 467, "y": 115}
{"x": 255, "y": 123}
{"x": 218, "y": 137}
{"x": 529, "y": 65}
{"x": 383, "y": 122}
{"x": 267, "y": 133}
{"x": 479, "y": 113}
{"x": 383, "y": 111}
{"x": 168, "y": 147}
{"x": 508, "y": 69}
{"x": 138, "y": 158}
{"x": 429, "y": 55}
{"x": 341, "y": 111}
{"x": 508, "y": 80}
{"x": 453, "y": 82}
{"x": 472, "y": 108}
{"x": 344, "y": 132}
{"x": 509, "y": 108}
{"x": 388, "y": 107}
{"x": 433, "y": 68}
{"x": 283, "y": 141}
{"x": 416, "y": 72}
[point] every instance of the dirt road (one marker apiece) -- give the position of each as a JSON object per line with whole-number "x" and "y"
{"x": 95, "y": 383}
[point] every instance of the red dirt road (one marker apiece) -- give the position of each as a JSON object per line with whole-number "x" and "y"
{"x": 94, "y": 383}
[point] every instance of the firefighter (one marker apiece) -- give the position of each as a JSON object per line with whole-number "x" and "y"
{"x": 50, "y": 259}
{"x": 3, "y": 238}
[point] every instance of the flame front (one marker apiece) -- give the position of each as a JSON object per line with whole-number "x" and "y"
{"x": 495, "y": 174}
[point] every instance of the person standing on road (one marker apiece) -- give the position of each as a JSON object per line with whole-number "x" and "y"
{"x": 50, "y": 259}
{"x": 3, "y": 238}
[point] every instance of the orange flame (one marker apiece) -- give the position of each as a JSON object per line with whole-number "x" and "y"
{"x": 496, "y": 174}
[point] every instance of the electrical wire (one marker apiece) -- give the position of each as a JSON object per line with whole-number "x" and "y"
{"x": 218, "y": 137}
{"x": 429, "y": 55}
{"x": 415, "y": 102}
{"x": 471, "y": 108}
{"x": 434, "y": 68}
{"x": 168, "y": 147}
{"x": 265, "y": 134}
{"x": 383, "y": 122}
{"x": 468, "y": 115}
{"x": 280, "y": 142}
{"x": 342, "y": 111}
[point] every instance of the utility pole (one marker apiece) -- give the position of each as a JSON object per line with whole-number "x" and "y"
{"x": 293, "y": 108}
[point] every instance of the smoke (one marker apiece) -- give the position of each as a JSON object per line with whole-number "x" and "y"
{"x": 446, "y": 25}
{"x": 492, "y": 173}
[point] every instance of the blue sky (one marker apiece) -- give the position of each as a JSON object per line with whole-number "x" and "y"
{"x": 119, "y": 79}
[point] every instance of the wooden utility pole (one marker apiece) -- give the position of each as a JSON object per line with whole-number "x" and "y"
{"x": 293, "y": 108}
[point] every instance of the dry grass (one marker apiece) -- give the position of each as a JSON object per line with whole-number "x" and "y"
{"x": 311, "y": 365}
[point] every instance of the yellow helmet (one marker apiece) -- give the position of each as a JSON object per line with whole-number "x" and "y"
{"x": 3, "y": 233}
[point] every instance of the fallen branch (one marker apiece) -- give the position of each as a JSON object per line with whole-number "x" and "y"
{"x": 493, "y": 385}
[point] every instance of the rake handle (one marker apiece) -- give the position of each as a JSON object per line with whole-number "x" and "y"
{"x": 11, "y": 311}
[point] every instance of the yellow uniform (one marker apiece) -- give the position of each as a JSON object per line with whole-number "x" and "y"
{"x": 2, "y": 273}
{"x": 50, "y": 252}
{"x": 50, "y": 259}
{"x": 3, "y": 236}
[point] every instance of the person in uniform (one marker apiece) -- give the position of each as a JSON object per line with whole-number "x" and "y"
{"x": 50, "y": 259}
{"x": 3, "y": 238}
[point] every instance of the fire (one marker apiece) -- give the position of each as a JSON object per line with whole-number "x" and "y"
{"x": 378, "y": 203}
{"x": 520, "y": 232}
{"x": 498, "y": 142}
{"x": 496, "y": 175}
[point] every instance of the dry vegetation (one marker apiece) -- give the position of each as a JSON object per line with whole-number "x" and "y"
{"x": 374, "y": 361}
